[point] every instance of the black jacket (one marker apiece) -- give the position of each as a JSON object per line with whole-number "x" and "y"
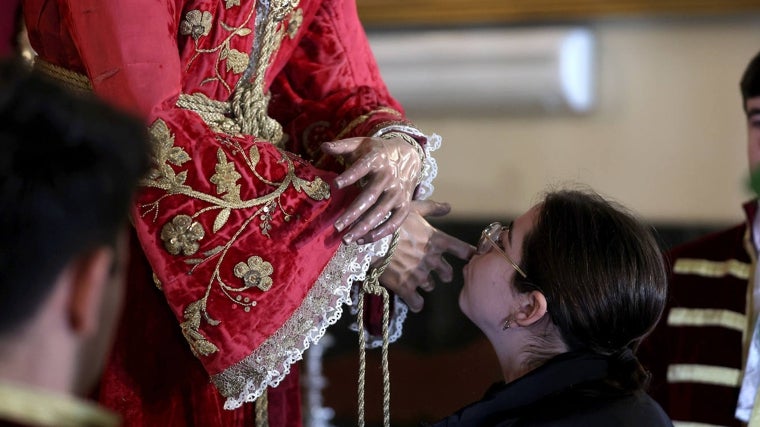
{"x": 568, "y": 390}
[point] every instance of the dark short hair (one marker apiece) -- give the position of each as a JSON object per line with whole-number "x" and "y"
{"x": 750, "y": 82}
{"x": 602, "y": 274}
{"x": 68, "y": 167}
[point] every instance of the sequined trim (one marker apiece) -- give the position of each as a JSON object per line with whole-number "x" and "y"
{"x": 322, "y": 307}
{"x": 707, "y": 317}
{"x": 704, "y": 374}
{"x": 707, "y": 268}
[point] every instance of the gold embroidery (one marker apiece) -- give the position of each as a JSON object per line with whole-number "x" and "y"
{"x": 157, "y": 282}
{"x": 199, "y": 345}
{"x": 249, "y": 103}
{"x": 255, "y": 273}
{"x": 183, "y": 235}
{"x": 294, "y": 23}
{"x": 317, "y": 189}
{"x": 237, "y": 61}
{"x": 363, "y": 118}
{"x": 199, "y": 25}
{"x": 166, "y": 154}
{"x": 229, "y": 3}
{"x": 246, "y": 111}
{"x": 196, "y": 24}
{"x": 226, "y": 178}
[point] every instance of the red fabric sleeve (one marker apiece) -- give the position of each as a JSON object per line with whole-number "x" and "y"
{"x": 236, "y": 230}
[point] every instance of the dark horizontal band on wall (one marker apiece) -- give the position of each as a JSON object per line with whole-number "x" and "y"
{"x": 437, "y": 12}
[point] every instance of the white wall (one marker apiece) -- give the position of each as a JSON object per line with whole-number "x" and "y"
{"x": 667, "y": 137}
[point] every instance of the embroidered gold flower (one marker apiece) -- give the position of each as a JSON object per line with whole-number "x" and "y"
{"x": 255, "y": 273}
{"x": 196, "y": 24}
{"x": 226, "y": 176}
{"x": 182, "y": 235}
{"x": 296, "y": 19}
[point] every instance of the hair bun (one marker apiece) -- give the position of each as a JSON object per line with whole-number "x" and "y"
{"x": 626, "y": 370}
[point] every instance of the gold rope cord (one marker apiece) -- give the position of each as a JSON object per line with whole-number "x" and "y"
{"x": 262, "y": 412}
{"x": 75, "y": 82}
{"x": 250, "y": 101}
{"x": 372, "y": 286}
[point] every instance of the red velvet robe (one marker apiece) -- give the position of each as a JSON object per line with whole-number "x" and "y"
{"x": 237, "y": 233}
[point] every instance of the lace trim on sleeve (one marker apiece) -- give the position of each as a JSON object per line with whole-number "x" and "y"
{"x": 267, "y": 365}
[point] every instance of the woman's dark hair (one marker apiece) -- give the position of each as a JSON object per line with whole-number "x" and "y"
{"x": 603, "y": 277}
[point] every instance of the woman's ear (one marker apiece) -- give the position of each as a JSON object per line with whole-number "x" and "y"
{"x": 531, "y": 309}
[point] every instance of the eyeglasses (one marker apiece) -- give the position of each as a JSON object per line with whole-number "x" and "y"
{"x": 489, "y": 238}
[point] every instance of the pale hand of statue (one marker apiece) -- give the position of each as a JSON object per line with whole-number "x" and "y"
{"x": 388, "y": 171}
{"x": 420, "y": 252}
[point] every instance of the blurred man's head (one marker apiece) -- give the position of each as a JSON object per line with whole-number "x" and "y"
{"x": 68, "y": 168}
{"x": 750, "y": 88}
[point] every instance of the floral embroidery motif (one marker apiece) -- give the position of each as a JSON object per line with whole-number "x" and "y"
{"x": 296, "y": 19}
{"x": 226, "y": 178}
{"x": 255, "y": 273}
{"x": 199, "y": 345}
{"x": 196, "y": 24}
{"x": 182, "y": 235}
{"x": 237, "y": 61}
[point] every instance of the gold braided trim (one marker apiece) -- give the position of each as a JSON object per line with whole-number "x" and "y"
{"x": 262, "y": 410}
{"x": 707, "y": 317}
{"x": 71, "y": 80}
{"x": 693, "y": 424}
{"x": 704, "y": 374}
{"x": 363, "y": 118}
{"x": 706, "y": 268}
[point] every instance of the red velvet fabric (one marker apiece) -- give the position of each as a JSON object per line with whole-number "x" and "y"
{"x": 324, "y": 83}
{"x": 9, "y": 13}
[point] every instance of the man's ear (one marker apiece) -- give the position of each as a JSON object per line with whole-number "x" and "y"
{"x": 90, "y": 274}
{"x": 532, "y": 308}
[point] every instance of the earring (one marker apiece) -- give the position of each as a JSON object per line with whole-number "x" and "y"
{"x": 507, "y": 325}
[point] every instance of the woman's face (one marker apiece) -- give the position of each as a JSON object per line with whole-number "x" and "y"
{"x": 488, "y": 295}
